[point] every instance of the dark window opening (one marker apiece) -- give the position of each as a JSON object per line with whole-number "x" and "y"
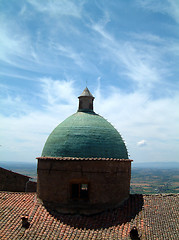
{"x": 79, "y": 191}
{"x": 75, "y": 190}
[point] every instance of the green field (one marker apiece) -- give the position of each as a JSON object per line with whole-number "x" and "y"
{"x": 147, "y": 181}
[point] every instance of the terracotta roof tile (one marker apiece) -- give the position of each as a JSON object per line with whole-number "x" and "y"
{"x": 87, "y": 159}
{"x": 155, "y": 217}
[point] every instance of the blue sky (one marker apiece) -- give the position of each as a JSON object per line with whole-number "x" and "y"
{"x": 127, "y": 52}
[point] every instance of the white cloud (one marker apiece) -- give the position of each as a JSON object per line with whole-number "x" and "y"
{"x": 54, "y": 91}
{"x": 134, "y": 115}
{"x": 174, "y": 9}
{"x": 142, "y": 143}
{"x": 137, "y": 116}
{"x": 24, "y": 133}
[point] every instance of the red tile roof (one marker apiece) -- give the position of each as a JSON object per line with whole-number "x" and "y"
{"x": 155, "y": 217}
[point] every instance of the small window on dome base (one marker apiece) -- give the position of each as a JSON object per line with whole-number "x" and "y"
{"x": 79, "y": 191}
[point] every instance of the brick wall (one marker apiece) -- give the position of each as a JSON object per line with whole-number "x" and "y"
{"x": 15, "y": 182}
{"x": 108, "y": 182}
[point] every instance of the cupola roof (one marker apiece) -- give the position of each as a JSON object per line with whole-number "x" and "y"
{"x": 86, "y": 93}
{"x": 85, "y": 134}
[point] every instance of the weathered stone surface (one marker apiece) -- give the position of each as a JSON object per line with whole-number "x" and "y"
{"x": 108, "y": 181}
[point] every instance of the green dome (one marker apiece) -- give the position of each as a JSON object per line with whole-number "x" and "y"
{"x": 85, "y": 134}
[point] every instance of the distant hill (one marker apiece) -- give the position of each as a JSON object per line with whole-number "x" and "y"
{"x": 156, "y": 165}
{"x": 25, "y": 168}
{"x": 10, "y": 165}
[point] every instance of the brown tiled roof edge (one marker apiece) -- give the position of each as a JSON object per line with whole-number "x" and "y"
{"x": 7, "y": 170}
{"x": 81, "y": 158}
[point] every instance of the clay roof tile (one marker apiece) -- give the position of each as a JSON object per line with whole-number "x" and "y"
{"x": 155, "y": 216}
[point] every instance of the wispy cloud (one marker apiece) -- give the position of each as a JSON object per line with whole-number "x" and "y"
{"x": 170, "y": 7}
{"x": 147, "y": 37}
{"x": 141, "y": 62}
{"x": 67, "y": 51}
{"x": 58, "y": 8}
{"x": 14, "y": 45}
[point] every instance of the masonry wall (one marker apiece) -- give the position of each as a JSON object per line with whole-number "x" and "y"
{"x": 109, "y": 182}
{"x": 15, "y": 182}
